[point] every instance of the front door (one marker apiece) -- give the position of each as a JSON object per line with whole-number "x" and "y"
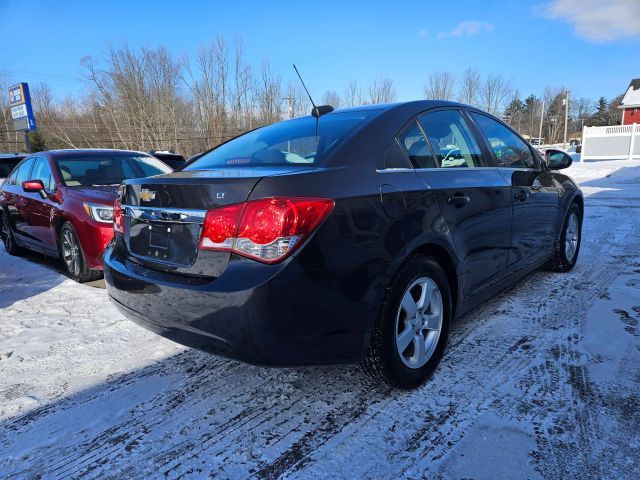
{"x": 39, "y": 210}
{"x": 16, "y": 200}
{"x": 535, "y": 194}
{"x": 475, "y": 200}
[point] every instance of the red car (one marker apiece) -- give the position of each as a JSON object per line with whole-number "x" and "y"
{"x": 60, "y": 203}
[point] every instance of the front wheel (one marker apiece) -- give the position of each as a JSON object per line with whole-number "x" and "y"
{"x": 566, "y": 253}
{"x": 73, "y": 256}
{"x": 410, "y": 335}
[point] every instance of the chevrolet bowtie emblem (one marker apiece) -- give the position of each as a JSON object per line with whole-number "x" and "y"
{"x": 147, "y": 195}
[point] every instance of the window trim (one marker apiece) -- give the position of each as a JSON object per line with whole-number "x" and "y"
{"x": 537, "y": 165}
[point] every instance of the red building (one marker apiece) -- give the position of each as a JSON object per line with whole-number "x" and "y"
{"x": 631, "y": 103}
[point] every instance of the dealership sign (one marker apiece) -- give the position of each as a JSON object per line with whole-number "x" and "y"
{"x": 21, "y": 111}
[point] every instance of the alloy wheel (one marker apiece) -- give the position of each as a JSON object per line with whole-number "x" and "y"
{"x": 71, "y": 253}
{"x": 571, "y": 236}
{"x": 419, "y": 322}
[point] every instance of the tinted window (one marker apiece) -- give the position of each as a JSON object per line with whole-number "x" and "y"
{"x": 394, "y": 157}
{"x": 108, "y": 169}
{"x": 451, "y": 140}
{"x": 23, "y": 171}
{"x": 508, "y": 148}
{"x": 7, "y": 165}
{"x": 293, "y": 142}
{"x": 41, "y": 171}
{"x": 416, "y": 147}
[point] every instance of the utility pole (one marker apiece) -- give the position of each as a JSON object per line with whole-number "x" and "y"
{"x": 27, "y": 142}
{"x": 566, "y": 119}
{"x": 290, "y": 105}
{"x": 540, "y": 131}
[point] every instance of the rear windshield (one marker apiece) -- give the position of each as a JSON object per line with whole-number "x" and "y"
{"x": 108, "y": 169}
{"x": 293, "y": 142}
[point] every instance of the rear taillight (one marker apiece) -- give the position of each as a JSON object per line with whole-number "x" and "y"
{"x": 267, "y": 230}
{"x": 118, "y": 219}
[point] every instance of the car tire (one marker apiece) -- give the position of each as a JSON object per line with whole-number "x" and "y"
{"x": 568, "y": 248}
{"x": 73, "y": 257}
{"x": 8, "y": 238}
{"x": 394, "y": 356}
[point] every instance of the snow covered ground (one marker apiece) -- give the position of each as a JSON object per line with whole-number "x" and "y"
{"x": 541, "y": 382}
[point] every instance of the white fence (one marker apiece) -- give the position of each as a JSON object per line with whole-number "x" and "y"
{"x": 617, "y": 142}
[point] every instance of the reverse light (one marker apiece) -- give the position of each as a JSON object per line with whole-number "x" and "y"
{"x": 100, "y": 213}
{"x": 118, "y": 218}
{"x": 267, "y": 230}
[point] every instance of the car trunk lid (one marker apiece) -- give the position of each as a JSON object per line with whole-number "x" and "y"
{"x": 164, "y": 215}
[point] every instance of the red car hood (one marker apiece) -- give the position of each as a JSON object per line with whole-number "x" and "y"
{"x": 105, "y": 195}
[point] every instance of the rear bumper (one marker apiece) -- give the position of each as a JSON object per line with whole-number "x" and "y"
{"x": 279, "y": 315}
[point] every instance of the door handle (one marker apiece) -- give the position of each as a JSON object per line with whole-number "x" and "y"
{"x": 458, "y": 200}
{"x": 520, "y": 196}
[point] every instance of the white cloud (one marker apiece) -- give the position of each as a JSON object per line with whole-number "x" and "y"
{"x": 598, "y": 20}
{"x": 423, "y": 33}
{"x": 467, "y": 29}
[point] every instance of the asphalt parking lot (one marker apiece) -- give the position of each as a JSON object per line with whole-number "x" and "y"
{"x": 541, "y": 382}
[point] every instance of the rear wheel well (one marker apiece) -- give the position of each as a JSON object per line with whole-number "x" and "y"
{"x": 442, "y": 257}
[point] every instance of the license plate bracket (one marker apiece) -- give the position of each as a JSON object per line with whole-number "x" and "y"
{"x": 159, "y": 236}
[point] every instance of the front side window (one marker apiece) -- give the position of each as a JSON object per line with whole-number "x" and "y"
{"x": 105, "y": 169}
{"x": 451, "y": 139}
{"x": 302, "y": 142}
{"x": 42, "y": 172}
{"x": 508, "y": 148}
{"x": 24, "y": 170}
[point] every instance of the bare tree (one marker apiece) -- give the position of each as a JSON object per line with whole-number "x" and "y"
{"x": 469, "y": 86}
{"x": 353, "y": 94}
{"x": 381, "y": 90}
{"x": 440, "y": 86}
{"x": 331, "y": 97}
{"x": 495, "y": 91}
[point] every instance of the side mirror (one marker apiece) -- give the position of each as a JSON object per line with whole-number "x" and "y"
{"x": 34, "y": 186}
{"x": 557, "y": 159}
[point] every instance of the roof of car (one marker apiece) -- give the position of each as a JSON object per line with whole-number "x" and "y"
{"x": 91, "y": 152}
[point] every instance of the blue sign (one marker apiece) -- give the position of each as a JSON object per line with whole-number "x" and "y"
{"x": 21, "y": 111}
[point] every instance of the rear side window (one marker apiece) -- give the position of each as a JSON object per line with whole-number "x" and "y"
{"x": 415, "y": 144}
{"x": 394, "y": 157}
{"x": 451, "y": 139}
{"x": 24, "y": 170}
{"x": 508, "y": 148}
{"x": 41, "y": 171}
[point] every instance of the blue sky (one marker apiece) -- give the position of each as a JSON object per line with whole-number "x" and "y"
{"x": 590, "y": 46}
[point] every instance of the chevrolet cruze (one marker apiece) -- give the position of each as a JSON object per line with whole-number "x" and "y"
{"x": 60, "y": 203}
{"x": 351, "y": 236}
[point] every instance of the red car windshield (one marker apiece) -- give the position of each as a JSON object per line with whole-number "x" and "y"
{"x": 108, "y": 169}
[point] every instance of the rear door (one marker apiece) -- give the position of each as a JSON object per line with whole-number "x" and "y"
{"x": 535, "y": 195}
{"x": 39, "y": 210}
{"x": 474, "y": 199}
